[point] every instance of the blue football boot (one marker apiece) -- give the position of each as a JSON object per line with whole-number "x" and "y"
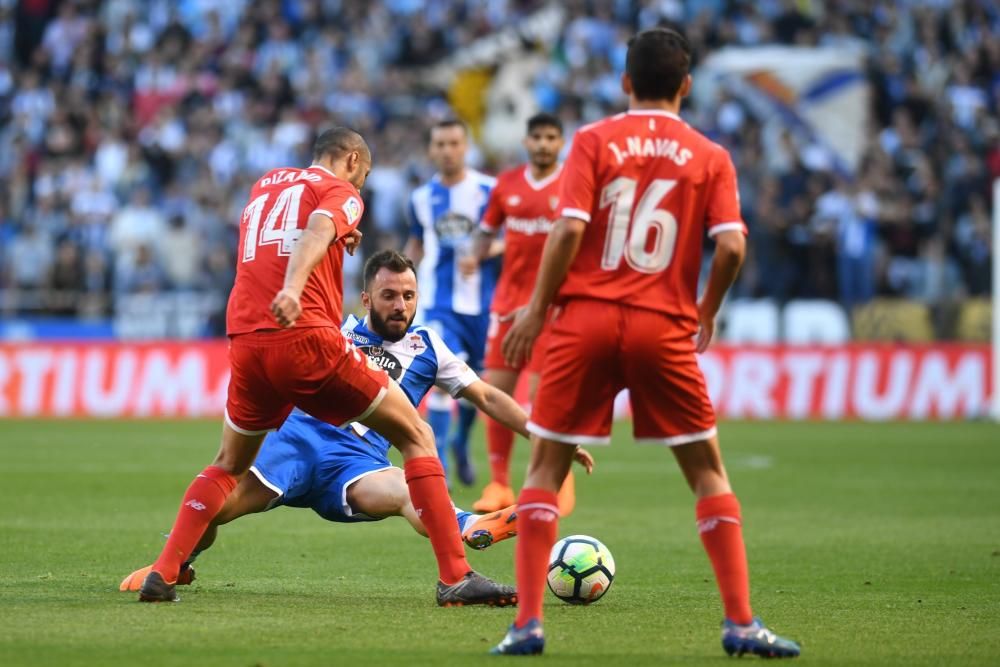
{"x": 756, "y": 639}
{"x": 529, "y": 640}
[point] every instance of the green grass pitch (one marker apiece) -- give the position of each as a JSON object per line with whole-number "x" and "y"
{"x": 871, "y": 544}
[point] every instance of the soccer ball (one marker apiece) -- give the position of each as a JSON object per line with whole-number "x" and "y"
{"x": 581, "y": 569}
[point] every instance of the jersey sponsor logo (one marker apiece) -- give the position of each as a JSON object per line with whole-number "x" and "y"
{"x": 352, "y": 209}
{"x": 453, "y": 227}
{"x": 529, "y": 226}
{"x": 651, "y": 147}
{"x": 381, "y": 359}
{"x": 356, "y": 337}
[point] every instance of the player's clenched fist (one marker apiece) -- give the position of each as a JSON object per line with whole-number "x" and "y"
{"x": 286, "y": 308}
{"x": 352, "y": 241}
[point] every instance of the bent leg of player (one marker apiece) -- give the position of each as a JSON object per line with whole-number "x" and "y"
{"x": 499, "y": 443}
{"x": 204, "y": 498}
{"x": 249, "y": 497}
{"x": 384, "y": 493}
{"x": 397, "y": 420}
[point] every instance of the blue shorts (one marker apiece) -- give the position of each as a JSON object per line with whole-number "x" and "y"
{"x": 465, "y": 335}
{"x": 310, "y": 463}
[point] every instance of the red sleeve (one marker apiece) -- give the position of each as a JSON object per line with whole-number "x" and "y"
{"x": 494, "y": 215}
{"x": 576, "y": 191}
{"x": 723, "y": 212}
{"x": 343, "y": 205}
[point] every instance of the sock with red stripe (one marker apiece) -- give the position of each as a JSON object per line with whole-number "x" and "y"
{"x": 721, "y": 531}
{"x": 537, "y": 527}
{"x": 499, "y": 443}
{"x": 204, "y": 498}
{"x": 429, "y": 494}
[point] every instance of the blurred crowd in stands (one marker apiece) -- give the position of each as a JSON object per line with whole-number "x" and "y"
{"x": 131, "y": 131}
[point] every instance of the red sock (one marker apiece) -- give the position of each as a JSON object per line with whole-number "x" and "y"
{"x": 499, "y": 442}
{"x": 721, "y": 532}
{"x": 429, "y": 494}
{"x": 203, "y": 500}
{"x": 537, "y": 527}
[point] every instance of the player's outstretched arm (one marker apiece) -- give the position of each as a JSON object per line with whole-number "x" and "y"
{"x": 730, "y": 249}
{"x": 560, "y": 250}
{"x": 498, "y": 405}
{"x": 308, "y": 251}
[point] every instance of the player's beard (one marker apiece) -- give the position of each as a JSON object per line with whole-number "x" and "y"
{"x": 380, "y": 325}
{"x": 544, "y": 160}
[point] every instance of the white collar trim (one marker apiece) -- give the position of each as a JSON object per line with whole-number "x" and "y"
{"x": 653, "y": 112}
{"x": 540, "y": 185}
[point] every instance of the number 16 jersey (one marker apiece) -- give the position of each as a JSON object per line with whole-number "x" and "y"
{"x": 649, "y": 186}
{"x": 279, "y": 209}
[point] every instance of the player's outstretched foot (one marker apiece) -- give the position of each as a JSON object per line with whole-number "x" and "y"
{"x": 155, "y": 589}
{"x": 489, "y": 529}
{"x": 133, "y": 582}
{"x": 529, "y": 640}
{"x": 756, "y": 639}
{"x": 474, "y": 588}
{"x": 495, "y": 497}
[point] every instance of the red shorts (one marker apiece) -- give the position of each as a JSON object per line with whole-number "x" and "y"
{"x": 494, "y": 344}
{"x": 315, "y": 369}
{"x": 596, "y": 349}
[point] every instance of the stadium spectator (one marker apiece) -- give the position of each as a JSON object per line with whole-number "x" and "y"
{"x": 119, "y": 116}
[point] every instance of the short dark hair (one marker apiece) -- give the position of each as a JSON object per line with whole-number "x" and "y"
{"x": 395, "y": 261}
{"x": 658, "y": 60}
{"x": 446, "y": 123}
{"x": 544, "y": 120}
{"x": 337, "y": 142}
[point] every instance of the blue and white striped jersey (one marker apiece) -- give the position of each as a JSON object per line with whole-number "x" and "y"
{"x": 417, "y": 362}
{"x": 445, "y": 219}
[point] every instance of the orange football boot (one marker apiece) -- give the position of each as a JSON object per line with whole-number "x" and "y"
{"x": 567, "y": 495}
{"x": 133, "y": 582}
{"x": 488, "y": 529}
{"x": 495, "y": 497}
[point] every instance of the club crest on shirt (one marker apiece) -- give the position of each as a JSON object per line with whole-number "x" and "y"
{"x": 415, "y": 344}
{"x": 352, "y": 209}
{"x": 553, "y": 202}
{"x": 513, "y": 200}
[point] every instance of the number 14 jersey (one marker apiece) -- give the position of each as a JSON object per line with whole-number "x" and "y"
{"x": 649, "y": 186}
{"x": 280, "y": 205}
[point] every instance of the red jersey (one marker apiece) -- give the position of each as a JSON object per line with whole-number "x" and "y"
{"x": 526, "y": 209}
{"x": 649, "y": 186}
{"x": 280, "y": 205}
